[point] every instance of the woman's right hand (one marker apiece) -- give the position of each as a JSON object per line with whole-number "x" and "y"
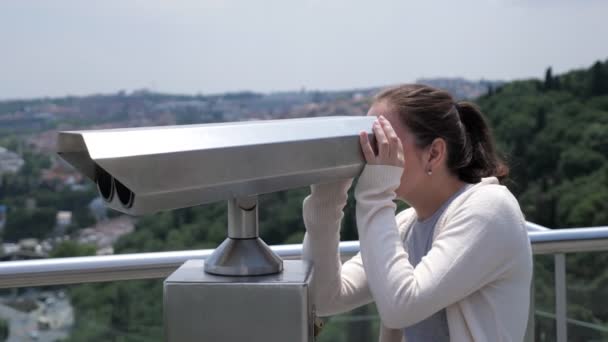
{"x": 390, "y": 148}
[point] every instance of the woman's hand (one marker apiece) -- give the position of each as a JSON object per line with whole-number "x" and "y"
{"x": 390, "y": 149}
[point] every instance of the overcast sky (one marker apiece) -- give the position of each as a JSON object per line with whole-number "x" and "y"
{"x": 60, "y": 47}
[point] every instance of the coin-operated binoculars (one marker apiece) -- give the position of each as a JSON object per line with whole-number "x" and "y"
{"x": 243, "y": 291}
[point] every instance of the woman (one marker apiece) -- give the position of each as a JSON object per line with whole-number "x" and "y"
{"x": 457, "y": 265}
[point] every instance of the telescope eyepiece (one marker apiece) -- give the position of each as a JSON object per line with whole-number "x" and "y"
{"x": 105, "y": 184}
{"x": 125, "y": 196}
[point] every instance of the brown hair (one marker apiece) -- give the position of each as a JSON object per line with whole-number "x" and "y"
{"x": 433, "y": 113}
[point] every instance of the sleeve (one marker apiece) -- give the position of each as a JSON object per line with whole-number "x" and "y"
{"x": 473, "y": 249}
{"x": 390, "y": 335}
{"x": 338, "y": 288}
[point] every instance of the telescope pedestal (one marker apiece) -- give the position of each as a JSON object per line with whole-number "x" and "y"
{"x": 243, "y": 257}
{"x": 199, "y": 306}
{"x": 243, "y": 253}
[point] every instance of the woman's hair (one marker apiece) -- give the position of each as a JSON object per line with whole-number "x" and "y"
{"x": 431, "y": 113}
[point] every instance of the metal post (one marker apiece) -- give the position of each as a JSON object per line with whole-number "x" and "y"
{"x": 561, "y": 322}
{"x": 530, "y": 333}
{"x": 243, "y": 218}
{"x": 243, "y": 253}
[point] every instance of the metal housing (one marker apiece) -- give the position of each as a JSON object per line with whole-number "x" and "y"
{"x": 152, "y": 169}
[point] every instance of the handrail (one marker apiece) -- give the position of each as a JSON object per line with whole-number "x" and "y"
{"x": 552, "y": 241}
{"x": 533, "y": 227}
{"x": 61, "y": 271}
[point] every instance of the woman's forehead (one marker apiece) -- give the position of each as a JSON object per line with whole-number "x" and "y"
{"x": 379, "y": 108}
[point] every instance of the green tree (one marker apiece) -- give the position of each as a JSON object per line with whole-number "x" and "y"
{"x": 599, "y": 79}
{"x": 4, "y": 329}
{"x": 72, "y": 249}
{"x": 549, "y": 80}
{"x": 24, "y": 223}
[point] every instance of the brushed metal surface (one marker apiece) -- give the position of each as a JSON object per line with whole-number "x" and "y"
{"x": 242, "y": 257}
{"x": 243, "y": 252}
{"x": 181, "y": 166}
{"x": 204, "y": 307}
{"x": 243, "y": 218}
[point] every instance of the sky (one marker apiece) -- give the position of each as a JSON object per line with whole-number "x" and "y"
{"x": 76, "y": 47}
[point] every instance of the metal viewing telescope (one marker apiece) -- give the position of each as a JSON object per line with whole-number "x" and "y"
{"x": 145, "y": 170}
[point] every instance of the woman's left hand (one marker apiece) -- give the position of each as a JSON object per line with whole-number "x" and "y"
{"x": 390, "y": 149}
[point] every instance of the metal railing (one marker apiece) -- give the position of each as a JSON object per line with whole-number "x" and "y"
{"x": 559, "y": 242}
{"x": 89, "y": 269}
{"x": 63, "y": 271}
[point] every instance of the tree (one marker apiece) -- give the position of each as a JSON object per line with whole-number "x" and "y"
{"x": 23, "y": 223}
{"x": 70, "y": 248}
{"x": 548, "y": 79}
{"x": 599, "y": 79}
{"x": 4, "y": 330}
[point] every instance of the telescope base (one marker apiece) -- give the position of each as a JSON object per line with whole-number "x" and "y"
{"x": 243, "y": 257}
{"x": 275, "y": 308}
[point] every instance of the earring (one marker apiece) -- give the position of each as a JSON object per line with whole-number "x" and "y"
{"x": 429, "y": 172}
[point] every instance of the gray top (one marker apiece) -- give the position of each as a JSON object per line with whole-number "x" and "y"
{"x": 418, "y": 242}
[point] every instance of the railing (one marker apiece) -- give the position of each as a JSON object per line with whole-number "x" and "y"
{"x": 61, "y": 271}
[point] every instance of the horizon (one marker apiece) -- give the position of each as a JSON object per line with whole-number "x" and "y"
{"x": 193, "y": 47}
{"x": 264, "y": 93}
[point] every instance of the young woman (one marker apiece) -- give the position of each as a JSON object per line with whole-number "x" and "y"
{"x": 457, "y": 265}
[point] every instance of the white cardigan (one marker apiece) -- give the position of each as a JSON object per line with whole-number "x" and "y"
{"x": 479, "y": 267}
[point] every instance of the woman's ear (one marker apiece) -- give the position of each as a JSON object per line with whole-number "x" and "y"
{"x": 437, "y": 153}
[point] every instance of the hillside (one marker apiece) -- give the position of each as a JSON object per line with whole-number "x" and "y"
{"x": 555, "y": 135}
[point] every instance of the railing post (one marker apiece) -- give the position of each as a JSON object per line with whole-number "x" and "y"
{"x": 561, "y": 322}
{"x": 530, "y": 335}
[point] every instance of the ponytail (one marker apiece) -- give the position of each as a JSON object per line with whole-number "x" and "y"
{"x": 479, "y": 158}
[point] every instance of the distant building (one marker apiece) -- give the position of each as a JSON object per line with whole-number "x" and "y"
{"x": 64, "y": 219}
{"x": 9, "y": 248}
{"x": 10, "y": 162}
{"x": 359, "y": 96}
{"x": 25, "y": 249}
{"x": 61, "y": 175}
{"x": 29, "y": 245}
{"x": 104, "y": 234}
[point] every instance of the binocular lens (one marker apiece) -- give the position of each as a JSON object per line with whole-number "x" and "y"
{"x": 125, "y": 195}
{"x": 105, "y": 183}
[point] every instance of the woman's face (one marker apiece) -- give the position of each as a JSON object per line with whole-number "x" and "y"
{"x": 414, "y": 175}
